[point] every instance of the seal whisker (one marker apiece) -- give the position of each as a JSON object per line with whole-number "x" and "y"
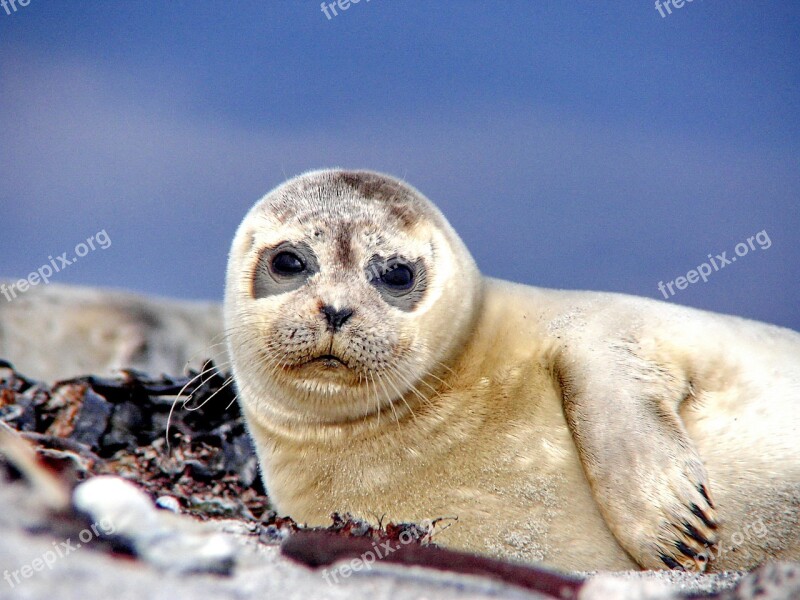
{"x": 378, "y": 408}
{"x": 400, "y": 395}
{"x": 412, "y": 388}
{"x": 388, "y": 398}
{"x": 207, "y": 369}
{"x": 225, "y": 383}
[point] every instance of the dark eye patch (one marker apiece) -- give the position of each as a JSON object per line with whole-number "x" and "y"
{"x": 283, "y": 268}
{"x": 402, "y": 283}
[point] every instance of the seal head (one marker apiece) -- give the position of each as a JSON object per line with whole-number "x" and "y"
{"x": 346, "y": 291}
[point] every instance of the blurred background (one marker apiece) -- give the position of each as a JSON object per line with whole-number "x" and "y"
{"x": 592, "y": 145}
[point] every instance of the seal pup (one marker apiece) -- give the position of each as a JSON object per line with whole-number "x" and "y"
{"x": 381, "y": 374}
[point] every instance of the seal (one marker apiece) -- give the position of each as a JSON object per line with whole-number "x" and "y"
{"x": 381, "y": 374}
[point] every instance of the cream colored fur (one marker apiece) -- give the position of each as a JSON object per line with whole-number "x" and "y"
{"x": 572, "y": 428}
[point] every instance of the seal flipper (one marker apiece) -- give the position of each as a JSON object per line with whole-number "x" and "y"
{"x": 645, "y": 472}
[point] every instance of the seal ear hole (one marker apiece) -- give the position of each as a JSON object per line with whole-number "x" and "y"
{"x": 283, "y": 268}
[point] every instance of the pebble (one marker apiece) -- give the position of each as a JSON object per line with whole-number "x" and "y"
{"x": 169, "y": 503}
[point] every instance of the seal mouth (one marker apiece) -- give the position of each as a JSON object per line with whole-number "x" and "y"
{"x": 327, "y": 360}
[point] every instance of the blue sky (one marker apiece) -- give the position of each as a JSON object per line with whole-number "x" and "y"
{"x": 587, "y": 145}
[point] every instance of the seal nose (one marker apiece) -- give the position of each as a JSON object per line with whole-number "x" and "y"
{"x": 336, "y": 318}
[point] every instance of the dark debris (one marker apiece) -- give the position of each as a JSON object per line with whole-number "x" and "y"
{"x": 119, "y": 426}
{"x": 99, "y": 426}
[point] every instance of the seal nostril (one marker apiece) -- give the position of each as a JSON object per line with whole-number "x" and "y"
{"x": 336, "y": 318}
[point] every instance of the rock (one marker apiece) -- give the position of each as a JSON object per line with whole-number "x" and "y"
{"x": 774, "y": 581}
{"x": 127, "y": 418}
{"x": 92, "y": 419}
{"x": 178, "y": 545}
{"x": 117, "y": 330}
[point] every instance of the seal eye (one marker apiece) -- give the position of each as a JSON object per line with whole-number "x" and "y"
{"x": 283, "y": 268}
{"x": 398, "y": 276}
{"x": 287, "y": 263}
{"x": 400, "y": 282}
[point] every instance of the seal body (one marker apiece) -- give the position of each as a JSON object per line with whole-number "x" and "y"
{"x": 382, "y": 375}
